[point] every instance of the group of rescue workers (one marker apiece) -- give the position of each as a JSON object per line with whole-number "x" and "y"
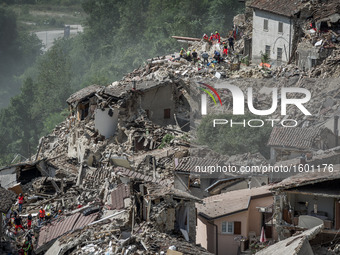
{"x": 15, "y": 220}
{"x": 214, "y": 39}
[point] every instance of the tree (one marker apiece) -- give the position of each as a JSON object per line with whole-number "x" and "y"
{"x": 221, "y": 13}
{"x": 18, "y": 128}
{"x": 53, "y": 83}
{"x": 233, "y": 140}
{"x": 120, "y": 35}
{"x": 18, "y": 50}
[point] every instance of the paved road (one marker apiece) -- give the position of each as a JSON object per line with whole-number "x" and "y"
{"x": 48, "y": 37}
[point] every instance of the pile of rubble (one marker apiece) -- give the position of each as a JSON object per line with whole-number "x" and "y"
{"x": 106, "y": 174}
{"x": 329, "y": 67}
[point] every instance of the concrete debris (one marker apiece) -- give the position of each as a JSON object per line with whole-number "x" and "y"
{"x": 298, "y": 244}
{"x": 103, "y": 181}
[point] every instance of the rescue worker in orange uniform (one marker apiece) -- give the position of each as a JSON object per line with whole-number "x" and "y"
{"x": 41, "y": 215}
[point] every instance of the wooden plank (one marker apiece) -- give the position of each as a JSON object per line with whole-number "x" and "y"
{"x": 186, "y": 38}
{"x": 171, "y": 252}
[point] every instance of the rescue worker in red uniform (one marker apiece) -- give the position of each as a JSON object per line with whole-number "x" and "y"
{"x": 225, "y": 49}
{"x": 205, "y": 37}
{"x": 211, "y": 37}
{"x": 18, "y": 223}
{"x": 217, "y": 37}
{"x": 29, "y": 221}
{"x": 20, "y": 202}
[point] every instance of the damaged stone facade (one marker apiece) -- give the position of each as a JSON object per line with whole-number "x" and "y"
{"x": 306, "y": 201}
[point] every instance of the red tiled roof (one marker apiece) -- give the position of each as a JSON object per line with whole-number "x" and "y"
{"x": 118, "y": 195}
{"x": 300, "y": 138}
{"x": 286, "y": 8}
{"x": 84, "y": 220}
{"x": 58, "y": 228}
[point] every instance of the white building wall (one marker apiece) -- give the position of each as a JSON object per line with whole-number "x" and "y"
{"x": 271, "y": 37}
{"x": 104, "y": 123}
{"x": 8, "y": 177}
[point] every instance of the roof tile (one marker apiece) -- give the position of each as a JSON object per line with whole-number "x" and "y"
{"x": 300, "y": 138}
{"x": 286, "y": 8}
{"x": 229, "y": 202}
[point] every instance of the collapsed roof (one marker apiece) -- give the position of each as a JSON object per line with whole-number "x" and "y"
{"x": 84, "y": 93}
{"x": 317, "y": 176}
{"x": 294, "y": 245}
{"x": 50, "y": 232}
{"x": 327, "y": 10}
{"x": 189, "y": 164}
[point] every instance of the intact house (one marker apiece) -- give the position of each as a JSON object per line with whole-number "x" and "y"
{"x": 192, "y": 174}
{"x": 287, "y": 143}
{"x": 273, "y": 29}
{"x": 306, "y": 200}
{"x": 228, "y": 222}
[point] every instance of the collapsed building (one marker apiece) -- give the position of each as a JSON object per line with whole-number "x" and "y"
{"x": 307, "y": 201}
{"x": 320, "y": 34}
{"x": 298, "y": 244}
{"x": 301, "y": 32}
{"x": 7, "y": 198}
{"x": 122, "y": 167}
{"x": 200, "y": 177}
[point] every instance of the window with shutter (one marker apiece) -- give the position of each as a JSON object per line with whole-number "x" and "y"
{"x": 228, "y": 227}
{"x": 265, "y": 25}
{"x": 280, "y": 29}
